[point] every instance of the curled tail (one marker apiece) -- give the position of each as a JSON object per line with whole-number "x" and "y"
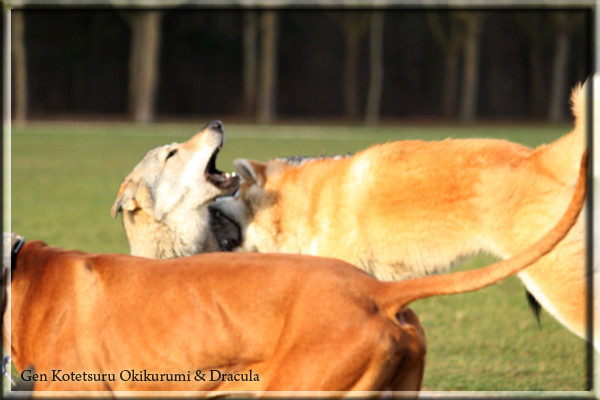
{"x": 397, "y": 295}
{"x": 561, "y": 158}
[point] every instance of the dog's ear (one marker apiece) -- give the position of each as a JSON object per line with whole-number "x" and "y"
{"x": 133, "y": 194}
{"x": 125, "y": 197}
{"x": 252, "y": 171}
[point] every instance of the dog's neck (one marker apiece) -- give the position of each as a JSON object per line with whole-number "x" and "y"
{"x": 179, "y": 237}
{"x": 12, "y": 244}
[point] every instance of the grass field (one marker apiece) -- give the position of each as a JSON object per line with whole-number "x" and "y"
{"x": 65, "y": 178}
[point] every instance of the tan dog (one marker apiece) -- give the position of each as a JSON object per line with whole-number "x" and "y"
{"x": 165, "y": 198}
{"x": 412, "y": 208}
{"x": 247, "y": 321}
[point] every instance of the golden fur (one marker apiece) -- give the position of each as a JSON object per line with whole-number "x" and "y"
{"x": 411, "y": 208}
{"x": 297, "y": 322}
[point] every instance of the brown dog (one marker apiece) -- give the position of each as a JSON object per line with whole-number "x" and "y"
{"x": 413, "y": 208}
{"x": 248, "y": 322}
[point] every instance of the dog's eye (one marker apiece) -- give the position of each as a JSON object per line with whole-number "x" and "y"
{"x": 171, "y": 154}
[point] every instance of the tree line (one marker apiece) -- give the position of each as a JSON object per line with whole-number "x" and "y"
{"x": 265, "y": 64}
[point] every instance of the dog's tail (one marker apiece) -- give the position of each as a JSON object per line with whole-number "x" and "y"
{"x": 397, "y": 295}
{"x": 561, "y": 158}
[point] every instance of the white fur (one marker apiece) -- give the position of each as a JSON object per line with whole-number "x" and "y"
{"x": 174, "y": 220}
{"x": 534, "y": 289}
{"x": 360, "y": 171}
{"x": 194, "y": 171}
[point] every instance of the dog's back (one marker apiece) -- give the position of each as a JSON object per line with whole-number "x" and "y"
{"x": 270, "y": 314}
{"x": 412, "y": 208}
{"x": 406, "y": 208}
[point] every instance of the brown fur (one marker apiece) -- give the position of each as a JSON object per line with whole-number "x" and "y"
{"x": 412, "y": 208}
{"x": 298, "y": 322}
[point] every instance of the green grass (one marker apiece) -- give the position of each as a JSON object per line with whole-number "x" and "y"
{"x": 65, "y": 178}
{"x": 489, "y": 340}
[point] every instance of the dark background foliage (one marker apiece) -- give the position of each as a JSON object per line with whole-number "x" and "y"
{"x": 78, "y": 63}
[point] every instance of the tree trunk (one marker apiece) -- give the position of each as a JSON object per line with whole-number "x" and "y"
{"x": 559, "y": 76}
{"x": 250, "y": 58}
{"x": 268, "y": 70}
{"x": 134, "y": 61}
{"x": 535, "y": 76}
{"x": 451, "y": 63}
{"x": 533, "y": 26}
{"x": 19, "y": 65}
{"x": 355, "y": 24}
{"x": 376, "y": 69}
{"x": 450, "y": 42}
{"x": 470, "y": 88}
{"x": 351, "y": 75}
{"x": 143, "y": 64}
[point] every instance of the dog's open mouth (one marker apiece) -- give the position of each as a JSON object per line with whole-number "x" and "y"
{"x": 222, "y": 180}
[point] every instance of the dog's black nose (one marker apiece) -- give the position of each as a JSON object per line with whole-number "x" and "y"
{"x": 216, "y": 125}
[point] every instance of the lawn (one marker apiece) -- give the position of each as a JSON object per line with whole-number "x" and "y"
{"x": 65, "y": 178}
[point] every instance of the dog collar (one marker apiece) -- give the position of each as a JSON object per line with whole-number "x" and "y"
{"x": 16, "y": 246}
{"x": 10, "y": 256}
{"x": 6, "y": 369}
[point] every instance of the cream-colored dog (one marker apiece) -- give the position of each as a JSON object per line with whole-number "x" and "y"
{"x": 165, "y": 199}
{"x": 413, "y": 208}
